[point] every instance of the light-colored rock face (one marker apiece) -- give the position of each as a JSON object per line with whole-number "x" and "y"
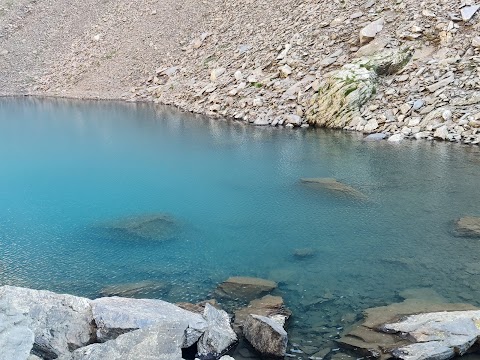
{"x": 468, "y": 226}
{"x": 115, "y": 316}
{"x": 244, "y": 288}
{"x": 60, "y": 322}
{"x": 369, "y": 32}
{"x": 346, "y": 90}
{"x": 266, "y": 335}
{"x": 16, "y": 339}
{"x": 436, "y": 335}
{"x": 157, "y": 342}
{"x": 218, "y": 336}
{"x": 333, "y": 186}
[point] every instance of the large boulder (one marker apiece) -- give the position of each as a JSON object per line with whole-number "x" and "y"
{"x": 334, "y": 186}
{"x": 244, "y": 288}
{"x": 115, "y": 316}
{"x": 218, "y": 337}
{"x": 346, "y": 90}
{"x": 16, "y": 338}
{"x": 60, "y": 323}
{"x": 147, "y": 227}
{"x": 266, "y": 335}
{"x": 468, "y": 226}
{"x": 157, "y": 342}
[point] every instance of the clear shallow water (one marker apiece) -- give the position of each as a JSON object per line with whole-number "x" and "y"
{"x": 66, "y": 167}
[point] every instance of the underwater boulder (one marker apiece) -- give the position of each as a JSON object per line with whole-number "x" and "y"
{"x": 333, "y": 186}
{"x": 155, "y": 227}
{"x": 304, "y": 253}
{"x": 468, "y": 226}
{"x": 143, "y": 289}
{"x": 244, "y": 288}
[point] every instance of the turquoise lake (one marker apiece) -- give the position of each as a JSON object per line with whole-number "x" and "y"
{"x": 66, "y": 167}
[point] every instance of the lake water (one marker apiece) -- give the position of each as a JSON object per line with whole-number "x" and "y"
{"x": 66, "y": 167}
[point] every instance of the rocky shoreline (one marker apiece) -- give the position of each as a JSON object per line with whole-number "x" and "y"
{"x": 279, "y": 64}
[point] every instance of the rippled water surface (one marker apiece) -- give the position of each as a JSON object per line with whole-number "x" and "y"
{"x": 68, "y": 168}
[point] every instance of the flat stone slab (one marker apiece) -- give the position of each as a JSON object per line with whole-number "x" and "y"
{"x": 468, "y": 226}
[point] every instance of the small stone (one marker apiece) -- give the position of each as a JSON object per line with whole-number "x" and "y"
{"x": 396, "y": 138}
{"x": 238, "y": 75}
{"x": 370, "y": 126}
{"x": 294, "y": 119}
{"x": 216, "y": 73}
{"x": 96, "y": 37}
{"x": 447, "y": 115}
{"x": 476, "y": 42}
{"x": 284, "y": 53}
{"x": 285, "y": 70}
{"x": 266, "y": 336}
{"x": 468, "y": 12}
{"x": 418, "y": 104}
{"x": 369, "y": 32}
{"x": 440, "y": 84}
{"x": 375, "y": 137}
{"x": 441, "y": 133}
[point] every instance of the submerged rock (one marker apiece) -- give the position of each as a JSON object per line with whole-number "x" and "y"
{"x": 334, "y": 186}
{"x": 115, "y": 316}
{"x": 157, "y": 342}
{"x": 218, "y": 337}
{"x": 244, "y": 288}
{"x": 346, "y": 90}
{"x": 266, "y": 335}
{"x": 198, "y": 308}
{"x": 141, "y": 289}
{"x": 468, "y": 226}
{"x": 148, "y": 227}
{"x": 61, "y": 323}
{"x": 375, "y": 137}
{"x": 304, "y": 253}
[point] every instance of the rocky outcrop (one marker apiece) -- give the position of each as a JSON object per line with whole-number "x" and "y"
{"x": 440, "y": 335}
{"x": 468, "y": 226}
{"x": 218, "y": 337}
{"x": 156, "y": 227}
{"x": 373, "y": 337}
{"x": 345, "y": 91}
{"x": 115, "y": 316}
{"x": 244, "y": 288}
{"x": 334, "y": 186}
{"x": 66, "y": 327}
{"x": 60, "y": 323}
{"x": 266, "y": 335}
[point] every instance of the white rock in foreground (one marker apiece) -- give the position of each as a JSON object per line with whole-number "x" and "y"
{"x": 61, "y": 323}
{"x": 16, "y": 339}
{"x": 438, "y": 335}
{"x": 115, "y": 316}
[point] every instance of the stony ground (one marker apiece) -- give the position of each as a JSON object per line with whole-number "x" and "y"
{"x": 260, "y": 61}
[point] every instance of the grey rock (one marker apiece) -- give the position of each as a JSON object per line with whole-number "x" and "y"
{"x": 60, "y": 323}
{"x": 396, "y": 138}
{"x": 375, "y": 137}
{"x": 369, "y": 32}
{"x": 469, "y": 11}
{"x": 441, "y": 84}
{"x": 158, "y": 342}
{"x": 441, "y": 133}
{"x": 266, "y": 335}
{"x": 115, "y": 316}
{"x": 418, "y": 104}
{"x": 16, "y": 339}
{"x": 219, "y": 336}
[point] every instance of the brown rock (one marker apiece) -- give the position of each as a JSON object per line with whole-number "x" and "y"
{"x": 334, "y": 186}
{"x": 266, "y": 336}
{"x": 244, "y": 288}
{"x": 266, "y": 306}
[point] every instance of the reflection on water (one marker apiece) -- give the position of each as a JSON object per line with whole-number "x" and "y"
{"x": 66, "y": 166}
